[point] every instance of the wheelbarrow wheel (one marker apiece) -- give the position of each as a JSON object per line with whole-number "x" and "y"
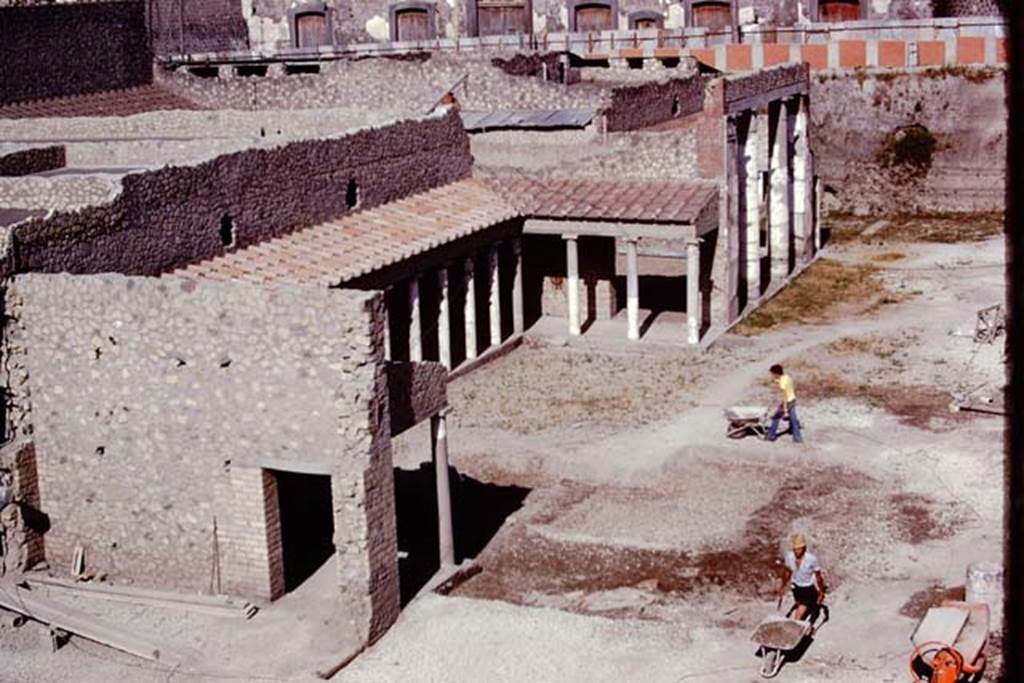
{"x": 771, "y": 662}
{"x": 737, "y": 432}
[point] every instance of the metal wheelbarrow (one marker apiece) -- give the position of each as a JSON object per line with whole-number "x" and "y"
{"x": 747, "y": 420}
{"x": 777, "y": 636}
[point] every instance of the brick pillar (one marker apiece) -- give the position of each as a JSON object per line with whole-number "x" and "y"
{"x": 249, "y": 533}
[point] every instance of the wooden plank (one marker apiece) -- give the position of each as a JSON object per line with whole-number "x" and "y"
{"x": 22, "y": 601}
{"x": 209, "y": 604}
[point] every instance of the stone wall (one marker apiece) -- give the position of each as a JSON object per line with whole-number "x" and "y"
{"x": 173, "y": 216}
{"x": 57, "y": 50}
{"x": 152, "y": 399}
{"x": 22, "y": 523}
{"x": 760, "y": 87}
{"x": 854, "y": 119}
{"x": 183, "y": 26}
{"x": 33, "y": 160}
{"x": 645, "y": 105}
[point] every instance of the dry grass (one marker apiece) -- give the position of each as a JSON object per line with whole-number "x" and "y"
{"x": 823, "y": 290}
{"x": 945, "y": 228}
{"x": 535, "y": 389}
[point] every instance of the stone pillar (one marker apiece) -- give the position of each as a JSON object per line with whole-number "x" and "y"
{"x": 801, "y": 182}
{"x": 572, "y": 283}
{"x": 387, "y": 325}
{"x": 445, "y": 535}
{"x": 732, "y": 218}
{"x": 632, "y": 291}
{"x": 518, "y": 324}
{"x": 444, "y": 334}
{"x": 470, "y": 311}
{"x": 495, "y": 298}
{"x": 752, "y": 195}
{"x": 693, "y": 313}
{"x": 415, "y": 334}
{"x": 780, "y": 210}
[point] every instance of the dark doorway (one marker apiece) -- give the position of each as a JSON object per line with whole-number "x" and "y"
{"x": 479, "y": 509}
{"x": 307, "y": 524}
{"x": 838, "y": 10}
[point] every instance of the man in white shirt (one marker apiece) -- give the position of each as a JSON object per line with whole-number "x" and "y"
{"x": 803, "y": 574}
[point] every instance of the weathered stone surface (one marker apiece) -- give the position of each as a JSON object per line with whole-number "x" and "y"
{"x": 32, "y": 160}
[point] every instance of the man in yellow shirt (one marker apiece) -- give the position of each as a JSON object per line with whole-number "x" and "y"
{"x": 786, "y": 409}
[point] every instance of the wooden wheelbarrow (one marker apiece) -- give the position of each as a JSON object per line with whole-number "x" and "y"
{"x": 949, "y": 643}
{"x": 747, "y": 420}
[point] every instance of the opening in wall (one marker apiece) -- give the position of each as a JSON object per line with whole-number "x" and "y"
{"x": 594, "y": 16}
{"x": 227, "y": 231}
{"x": 307, "y": 524}
{"x": 714, "y": 15}
{"x": 352, "y": 194}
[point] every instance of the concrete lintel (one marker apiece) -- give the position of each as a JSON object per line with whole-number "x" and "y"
{"x": 285, "y": 465}
{"x": 570, "y": 228}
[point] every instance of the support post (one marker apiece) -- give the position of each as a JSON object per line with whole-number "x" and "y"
{"x": 470, "y": 310}
{"x": 693, "y": 312}
{"x": 752, "y": 195}
{"x": 415, "y": 334}
{"x": 518, "y": 324}
{"x": 801, "y": 182}
{"x": 632, "y": 291}
{"x": 779, "y": 208}
{"x": 444, "y": 335}
{"x": 387, "y": 325}
{"x": 572, "y": 277}
{"x": 495, "y": 298}
{"x": 445, "y": 534}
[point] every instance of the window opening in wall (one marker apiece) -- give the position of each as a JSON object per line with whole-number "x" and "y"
{"x": 307, "y": 524}
{"x": 298, "y": 69}
{"x": 838, "y": 10}
{"x": 592, "y": 17}
{"x": 352, "y": 194}
{"x": 205, "y": 71}
{"x": 635, "y": 62}
{"x": 712, "y": 15}
{"x": 248, "y": 70}
{"x": 227, "y": 231}
{"x": 675, "y": 105}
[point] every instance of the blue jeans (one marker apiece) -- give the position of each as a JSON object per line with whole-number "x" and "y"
{"x": 794, "y": 423}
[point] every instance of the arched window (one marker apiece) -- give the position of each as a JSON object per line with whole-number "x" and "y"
{"x": 412, "y": 21}
{"x": 832, "y": 11}
{"x": 714, "y": 15}
{"x": 645, "y": 19}
{"x": 503, "y": 17}
{"x": 310, "y": 24}
{"x": 586, "y": 16}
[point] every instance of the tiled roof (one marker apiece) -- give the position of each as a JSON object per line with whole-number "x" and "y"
{"x": 605, "y": 200}
{"x": 124, "y": 102}
{"x": 357, "y": 244}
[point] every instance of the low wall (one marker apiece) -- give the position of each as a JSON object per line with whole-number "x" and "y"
{"x": 173, "y": 216}
{"x": 34, "y": 160}
{"x": 644, "y": 105}
{"x": 198, "y": 26}
{"x": 72, "y": 49}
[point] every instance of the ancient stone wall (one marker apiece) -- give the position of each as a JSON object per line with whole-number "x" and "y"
{"x": 33, "y": 160}
{"x": 645, "y": 105}
{"x": 173, "y": 216}
{"x": 856, "y": 120}
{"x": 183, "y": 26}
{"x": 153, "y": 397}
{"x": 760, "y": 87}
{"x": 21, "y": 520}
{"x": 56, "y": 50}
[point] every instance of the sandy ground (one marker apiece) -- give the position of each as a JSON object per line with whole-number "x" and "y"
{"x": 642, "y": 543}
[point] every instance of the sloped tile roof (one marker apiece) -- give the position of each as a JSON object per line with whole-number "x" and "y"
{"x": 354, "y": 245}
{"x": 652, "y": 201}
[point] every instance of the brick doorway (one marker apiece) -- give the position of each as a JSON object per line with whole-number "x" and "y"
{"x": 307, "y": 524}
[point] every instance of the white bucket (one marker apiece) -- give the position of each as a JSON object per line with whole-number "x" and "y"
{"x": 985, "y": 584}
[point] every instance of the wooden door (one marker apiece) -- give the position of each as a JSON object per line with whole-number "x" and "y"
{"x": 838, "y": 10}
{"x": 311, "y": 29}
{"x": 412, "y": 24}
{"x": 594, "y": 18}
{"x": 499, "y": 20}
{"x": 714, "y": 16}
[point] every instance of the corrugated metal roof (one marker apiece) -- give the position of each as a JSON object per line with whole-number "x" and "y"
{"x": 357, "y": 244}
{"x": 527, "y": 119}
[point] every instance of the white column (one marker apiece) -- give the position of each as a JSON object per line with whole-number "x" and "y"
{"x": 693, "y": 313}
{"x": 779, "y": 209}
{"x": 752, "y": 194}
{"x": 415, "y": 335}
{"x": 387, "y": 325}
{"x": 470, "y": 311}
{"x": 572, "y": 278}
{"x": 444, "y": 334}
{"x": 517, "y": 287}
{"x": 801, "y": 182}
{"x": 495, "y": 299}
{"x": 632, "y": 291}
{"x": 445, "y": 534}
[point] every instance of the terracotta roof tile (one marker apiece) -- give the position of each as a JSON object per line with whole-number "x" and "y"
{"x": 342, "y": 249}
